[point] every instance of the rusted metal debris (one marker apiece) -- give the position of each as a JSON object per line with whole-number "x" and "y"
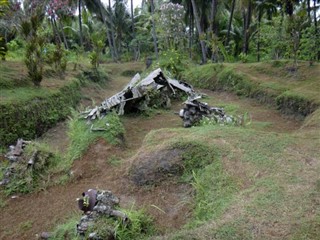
{"x": 194, "y": 111}
{"x": 139, "y": 89}
{"x": 96, "y": 204}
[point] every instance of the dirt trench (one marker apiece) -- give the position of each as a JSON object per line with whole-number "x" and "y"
{"x": 104, "y": 166}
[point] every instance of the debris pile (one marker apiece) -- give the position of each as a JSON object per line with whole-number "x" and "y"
{"x": 21, "y": 164}
{"x": 138, "y": 93}
{"x": 156, "y": 88}
{"x": 194, "y": 111}
{"x": 97, "y": 204}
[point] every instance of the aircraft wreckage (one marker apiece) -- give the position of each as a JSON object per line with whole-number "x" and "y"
{"x": 138, "y": 93}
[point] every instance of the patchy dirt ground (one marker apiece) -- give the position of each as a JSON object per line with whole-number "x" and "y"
{"x": 104, "y": 166}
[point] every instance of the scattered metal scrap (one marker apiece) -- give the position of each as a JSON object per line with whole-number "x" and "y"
{"x": 96, "y": 204}
{"x": 194, "y": 111}
{"x": 137, "y": 93}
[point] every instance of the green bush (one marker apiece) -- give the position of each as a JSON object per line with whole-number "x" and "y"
{"x": 171, "y": 61}
{"x": 202, "y": 76}
{"x": 34, "y": 57}
{"x": 139, "y": 227}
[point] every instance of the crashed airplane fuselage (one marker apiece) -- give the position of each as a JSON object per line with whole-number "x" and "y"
{"x": 137, "y": 89}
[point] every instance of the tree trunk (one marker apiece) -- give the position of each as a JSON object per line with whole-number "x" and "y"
{"x": 55, "y": 30}
{"x": 247, "y": 20}
{"x": 80, "y": 23}
{"x": 190, "y": 29}
{"x": 200, "y": 31}
{"x": 316, "y": 25}
{"x": 133, "y": 32}
{"x": 63, "y": 35}
{"x": 213, "y": 28}
{"x": 309, "y": 10}
{"x": 258, "y": 41}
{"x": 213, "y": 14}
{"x": 114, "y": 44}
{"x": 230, "y": 22}
{"x": 154, "y": 30}
{"x": 108, "y": 36}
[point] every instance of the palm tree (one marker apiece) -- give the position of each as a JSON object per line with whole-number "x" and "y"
{"x": 133, "y": 31}
{"x": 112, "y": 32}
{"x": 263, "y": 6}
{"x": 200, "y": 32}
{"x": 246, "y": 14}
{"x": 80, "y": 22}
{"x": 154, "y": 35}
{"x": 230, "y": 21}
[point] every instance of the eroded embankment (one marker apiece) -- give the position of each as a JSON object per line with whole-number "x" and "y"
{"x": 31, "y": 118}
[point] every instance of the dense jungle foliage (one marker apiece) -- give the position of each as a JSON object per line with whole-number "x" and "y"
{"x": 174, "y": 31}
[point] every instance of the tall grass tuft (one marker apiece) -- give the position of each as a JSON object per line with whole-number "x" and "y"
{"x": 81, "y": 136}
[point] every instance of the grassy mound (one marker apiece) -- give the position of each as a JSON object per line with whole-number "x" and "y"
{"x": 254, "y": 180}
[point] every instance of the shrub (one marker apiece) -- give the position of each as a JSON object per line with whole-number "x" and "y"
{"x": 171, "y": 61}
{"x": 34, "y": 48}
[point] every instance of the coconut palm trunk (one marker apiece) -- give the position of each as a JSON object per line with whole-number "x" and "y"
{"x": 230, "y": 22}
{"x": 200, "y": 32}
{"x": 80, "y": 22}
{"x": 135, "y": 51}
{"x": 114, "y": 44}
{"x": 63, "y": 35}
{"x": 246, "y": 13}
{"x": 154, "y": 35}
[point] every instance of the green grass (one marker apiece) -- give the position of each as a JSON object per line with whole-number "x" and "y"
{"x": 81, "y": 136}
{"x": 25, "y": 226}
{"x": 67, "y": 230}
{"x": 139, "y": 227}
{"x": 255, "y": 179}
{"x": 19, "y": 95}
